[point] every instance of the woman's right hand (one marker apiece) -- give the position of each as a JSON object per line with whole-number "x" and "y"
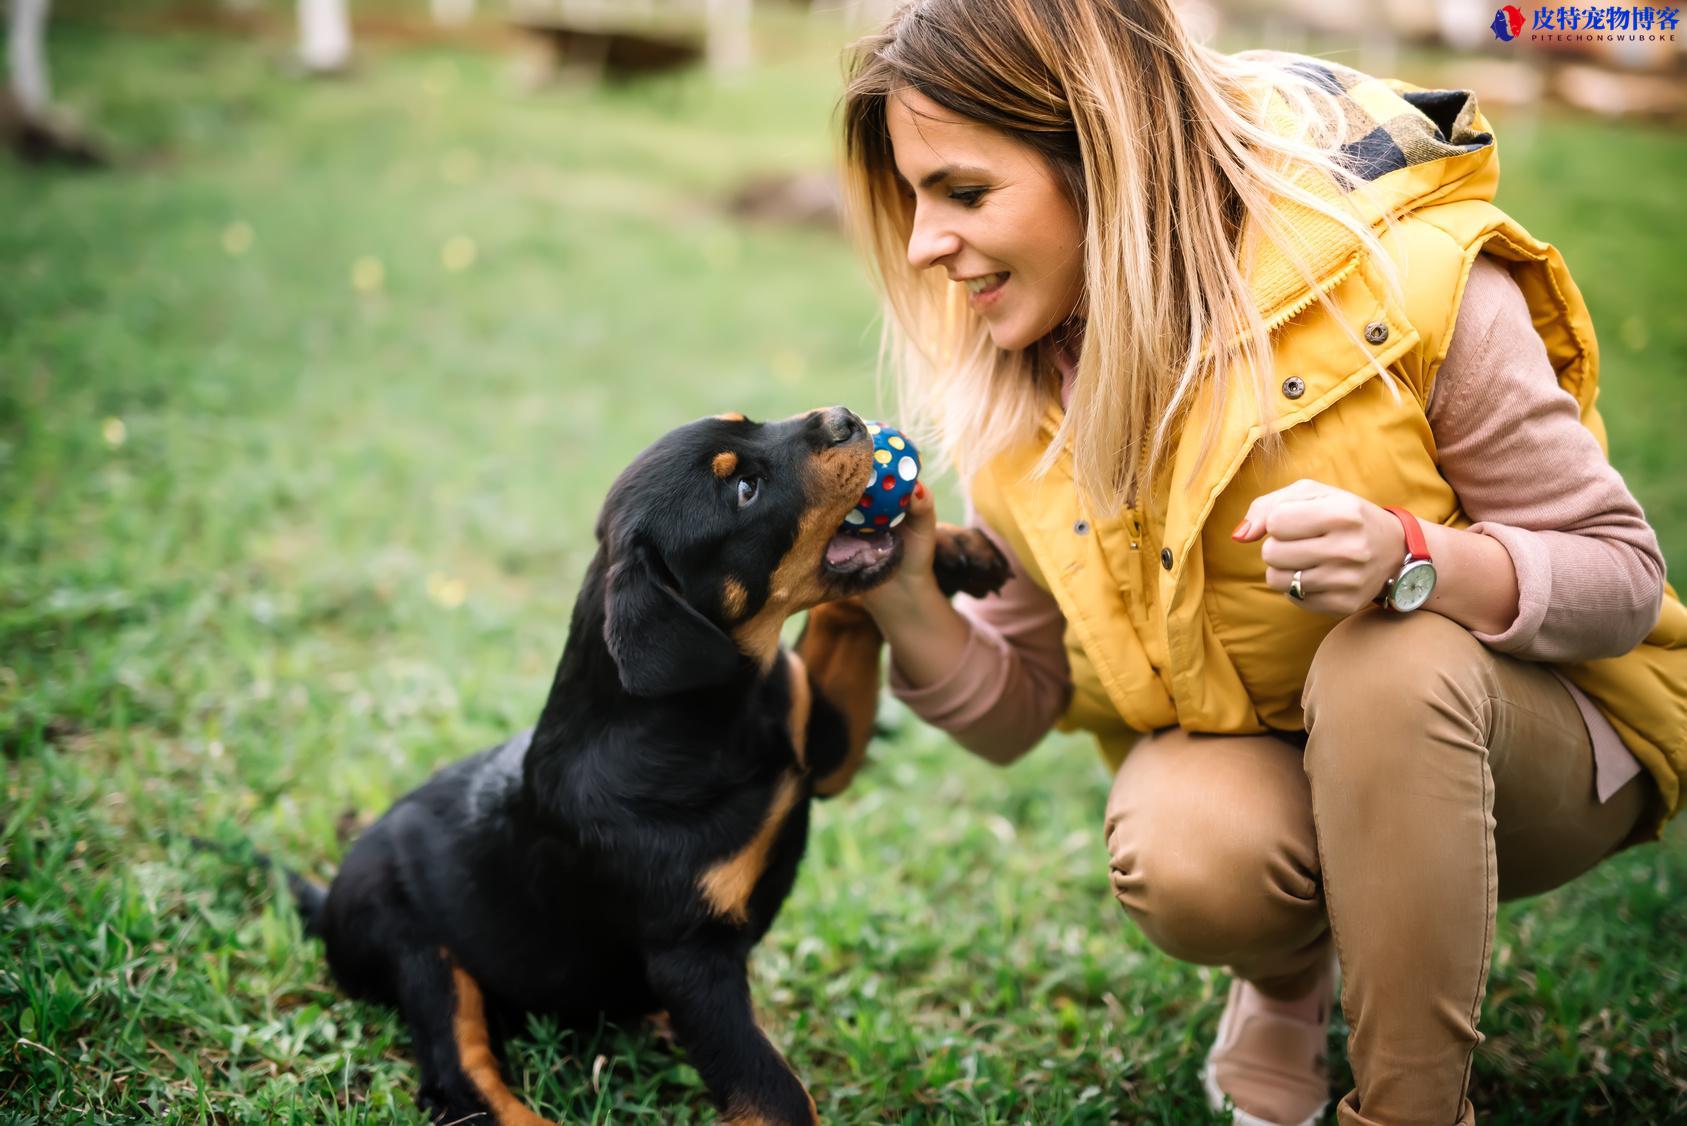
{"x": 914, "y": 581}
{"x": 926, "y": 635}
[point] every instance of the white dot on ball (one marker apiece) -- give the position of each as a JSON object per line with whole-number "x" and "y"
{"x": 906, "y": 469}
{"x": 855, "y": 516}
{"x": 900, "y": 516}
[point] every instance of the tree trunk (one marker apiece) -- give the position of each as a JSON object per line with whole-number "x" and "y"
{"x": 28, "y": 122}
{"x": 729, "y": 35}
{"x": 26, "y": 54}
{"x": 324, "y": 35}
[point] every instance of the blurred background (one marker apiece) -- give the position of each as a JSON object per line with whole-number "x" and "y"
{"x": 323, "y": 331}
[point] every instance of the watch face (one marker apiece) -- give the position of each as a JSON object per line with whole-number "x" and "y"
{"x": 1414, "y": 586}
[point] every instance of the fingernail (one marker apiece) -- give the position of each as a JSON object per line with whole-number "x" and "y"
{"x": 1241, "y": 529}
{"x": 920, "y": 490}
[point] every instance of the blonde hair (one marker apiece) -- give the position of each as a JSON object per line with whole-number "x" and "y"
{"x": 1163, "y": 146}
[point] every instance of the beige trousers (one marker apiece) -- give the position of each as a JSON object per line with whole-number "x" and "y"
{"x": 1437, "y": 778}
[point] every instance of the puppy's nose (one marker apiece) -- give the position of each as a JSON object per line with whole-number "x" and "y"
{"x": 841, "y": 425}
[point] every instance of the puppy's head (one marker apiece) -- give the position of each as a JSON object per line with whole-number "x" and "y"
{"x": 723, "y": 529}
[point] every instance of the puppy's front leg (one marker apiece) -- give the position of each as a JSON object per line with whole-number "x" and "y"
{"x": 839, "y": 649}
{"x": 704, "y": 985}
{"x": 840, "y": 646}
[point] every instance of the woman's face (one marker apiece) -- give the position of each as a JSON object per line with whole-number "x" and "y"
{"x": 989, "y": 212}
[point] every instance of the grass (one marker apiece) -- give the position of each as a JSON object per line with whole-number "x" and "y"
{"x": 274, "y": 547}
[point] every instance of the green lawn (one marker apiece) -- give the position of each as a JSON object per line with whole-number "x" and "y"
{"x": 274, "y": 547}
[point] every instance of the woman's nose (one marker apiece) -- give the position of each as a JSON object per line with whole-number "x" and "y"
{"x": 929, "y": 243}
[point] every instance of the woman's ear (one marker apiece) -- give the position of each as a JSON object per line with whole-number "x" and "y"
{"x": 660, "y": 645}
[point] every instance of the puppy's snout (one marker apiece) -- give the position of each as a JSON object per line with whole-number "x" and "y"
{"x": 840, "y": 426}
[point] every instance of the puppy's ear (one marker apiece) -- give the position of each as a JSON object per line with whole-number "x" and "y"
{"x": 660, "y": 644}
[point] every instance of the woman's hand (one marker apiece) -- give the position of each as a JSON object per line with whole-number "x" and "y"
{"x": 913, "y": 579}
{"x": 925, "y": 633}
{"x": 1344, "y": 547}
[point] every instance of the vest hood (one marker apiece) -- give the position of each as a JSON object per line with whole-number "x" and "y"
{"x": 1406, "y": 147}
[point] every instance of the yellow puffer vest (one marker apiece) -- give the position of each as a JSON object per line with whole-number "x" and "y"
{"x": 1169, "y": 621}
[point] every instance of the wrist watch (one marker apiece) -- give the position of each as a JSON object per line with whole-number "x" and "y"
{"x": 1412, "y": 585}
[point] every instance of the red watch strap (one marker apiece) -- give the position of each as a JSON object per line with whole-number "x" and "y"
{"x": 1416, "y": 546}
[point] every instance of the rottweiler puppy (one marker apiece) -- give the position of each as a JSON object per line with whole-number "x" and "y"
{"x": 623, "y": 856}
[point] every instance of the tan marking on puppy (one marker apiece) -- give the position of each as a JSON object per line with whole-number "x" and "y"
{"x": 727, "y": 884}
{"x": 740, "y": 1115}
{"x": 474, "y": 1054}
{"x": 733, "y": 598}
{"x": 837, "y": 477}
{"x": 730, "y": 416}
{"x": 795, "y": 584}
{"x": 725, "y": 464}
{"x": 802, "y": 703}
{"x": 661, "y": 1026}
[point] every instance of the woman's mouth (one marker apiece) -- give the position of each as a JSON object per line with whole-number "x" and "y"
{"x": 985, "y": 288}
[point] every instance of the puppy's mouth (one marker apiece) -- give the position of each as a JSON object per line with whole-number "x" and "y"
{"x": 854, "y": 561}
{"x": 861, "y": 560}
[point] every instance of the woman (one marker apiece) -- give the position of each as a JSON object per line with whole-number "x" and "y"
{"x": 1227, "y": 349}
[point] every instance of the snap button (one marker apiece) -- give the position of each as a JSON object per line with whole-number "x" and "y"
{"x": 1376, "y": 332}
{"x": 1166, "y": 558}
{"x": 1082, "y": 527}
{"x": 1294, "y": 387}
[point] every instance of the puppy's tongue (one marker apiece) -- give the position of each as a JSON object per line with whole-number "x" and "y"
{"x": 851, "y": 549}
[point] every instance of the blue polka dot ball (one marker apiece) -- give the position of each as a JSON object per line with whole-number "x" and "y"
{"x": 896, "y": 467}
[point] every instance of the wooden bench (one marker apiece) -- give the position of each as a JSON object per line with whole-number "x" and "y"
{"x": 614, "y": 41}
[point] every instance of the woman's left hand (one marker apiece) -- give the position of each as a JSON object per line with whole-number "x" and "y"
{"x": 1344, "y": 547}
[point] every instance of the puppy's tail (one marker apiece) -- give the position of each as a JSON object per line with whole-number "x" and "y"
{"x": 309, "y": 897}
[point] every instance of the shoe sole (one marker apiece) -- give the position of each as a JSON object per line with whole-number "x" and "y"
{"x": 1217, "y": 1099}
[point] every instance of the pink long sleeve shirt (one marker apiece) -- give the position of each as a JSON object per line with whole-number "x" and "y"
{"x": 1590, "y": 575}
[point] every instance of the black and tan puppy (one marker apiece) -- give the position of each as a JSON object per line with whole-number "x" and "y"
{"x": 624, "y": 856}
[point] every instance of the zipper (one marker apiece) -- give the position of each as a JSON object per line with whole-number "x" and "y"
{"x": 1136, "y": 483}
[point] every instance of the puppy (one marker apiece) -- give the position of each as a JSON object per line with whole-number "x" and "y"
{"x": 623, "y": 856}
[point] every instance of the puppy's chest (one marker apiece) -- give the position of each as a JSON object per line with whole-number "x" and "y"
{"x": 786, "y": 707}
{"x": 759, "y": 872}
{"x": 762, "y": 840}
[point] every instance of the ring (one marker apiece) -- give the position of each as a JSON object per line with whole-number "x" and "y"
{"x": 1296, "y": 591}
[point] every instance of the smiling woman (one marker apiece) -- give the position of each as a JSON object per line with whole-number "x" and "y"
{"x": 1200, "y": 330}
{"x": 993, "y": 215}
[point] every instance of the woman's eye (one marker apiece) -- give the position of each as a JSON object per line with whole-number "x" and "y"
{"x": 747, "y": 489}
{"x": 968, "y": 197}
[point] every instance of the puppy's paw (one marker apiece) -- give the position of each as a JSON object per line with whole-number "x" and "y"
{"x": 452, "y": 1104}
{"x": 967, "y": 562}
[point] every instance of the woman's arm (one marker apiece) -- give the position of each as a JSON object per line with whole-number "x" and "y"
{"x": 1561, "y": 565}
{"x": 1588, "y": 571}
{"x": 991, "y": 672}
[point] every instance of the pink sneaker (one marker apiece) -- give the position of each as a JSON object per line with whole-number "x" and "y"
{"x": 1270, "y": 1066}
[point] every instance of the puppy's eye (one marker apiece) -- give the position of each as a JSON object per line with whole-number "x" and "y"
{"x": 748, "y": 487}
